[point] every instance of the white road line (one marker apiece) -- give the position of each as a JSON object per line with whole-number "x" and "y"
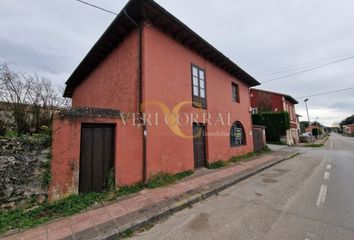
{"x": 326, "y": 175}
{"x": 331, "y": 144}
{"x": 321, "y": 196}
{"x": 330, "y": 160}
{"x": 329, "y": 166}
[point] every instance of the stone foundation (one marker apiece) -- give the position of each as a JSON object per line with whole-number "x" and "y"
{"x": 23, "y": 163}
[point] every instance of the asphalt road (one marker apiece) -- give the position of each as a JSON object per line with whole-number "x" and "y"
{"x": 308, "y": 197}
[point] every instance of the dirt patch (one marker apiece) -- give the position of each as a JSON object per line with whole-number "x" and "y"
{"x": 200, "y": 222}
{"x": 271, "y": 175}
{"x": 269, "y": 180}
{"x": 280, "y": 170}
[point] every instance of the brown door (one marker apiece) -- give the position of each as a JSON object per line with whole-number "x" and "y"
{"x": 258, "y": 143}
{"x": 96, "y": 158}
{"x": 199, "y": 145}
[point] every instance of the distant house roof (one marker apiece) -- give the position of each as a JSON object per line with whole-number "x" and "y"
{"x": 287, "y": 97}
{"x": 148, "y": 10}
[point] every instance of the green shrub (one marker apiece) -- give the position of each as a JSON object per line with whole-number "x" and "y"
{"x": 276, "y": 124}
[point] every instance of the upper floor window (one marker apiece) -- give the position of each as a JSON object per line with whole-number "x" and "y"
{"x": 199, "y": 87}
{"x": 235, "y": 93}
{"x": 237, "y": 135}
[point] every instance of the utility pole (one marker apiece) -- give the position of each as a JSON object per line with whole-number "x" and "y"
{"x": 307, "y": 110}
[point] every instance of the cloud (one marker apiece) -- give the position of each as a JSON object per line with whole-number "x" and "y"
{"x": 52, "y": 37}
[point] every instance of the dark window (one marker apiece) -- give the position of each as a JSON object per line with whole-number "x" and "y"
{"x": 235, "y": 93}
{"x": 237, "y": 135}
{"x": 198, "y": 87}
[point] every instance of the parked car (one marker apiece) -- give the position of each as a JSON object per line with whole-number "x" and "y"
{"x": 306, "y": 137}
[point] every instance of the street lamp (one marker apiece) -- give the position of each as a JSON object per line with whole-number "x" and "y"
{"x": 307, "y": 110}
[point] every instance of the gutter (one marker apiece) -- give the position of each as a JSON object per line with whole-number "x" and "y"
{"x": 140, "y": 90}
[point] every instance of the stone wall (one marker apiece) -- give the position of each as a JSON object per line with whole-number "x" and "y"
{"x": 24, "y": 164}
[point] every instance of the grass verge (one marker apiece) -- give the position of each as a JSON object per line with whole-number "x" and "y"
{"x": 29, "y": 218}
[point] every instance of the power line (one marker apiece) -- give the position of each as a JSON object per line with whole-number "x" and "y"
{"x": 95, "y": 6}
{"x": 300, "y": 65}
{"x": 288, "y": 70}
{"x": 323, "y": 93}
{"x": 308, "y": 70}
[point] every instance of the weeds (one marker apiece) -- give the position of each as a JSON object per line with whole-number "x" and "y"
{"x": 217, "y": 164}
{"x": 24, "y": 219}
{"x": 126, "y": 190}
{"x": 314, "y": 145}
{"x": 266, "y": 149}
{"x": 10, "y": 134}
{"x": 126, "y": 234}
{"x": 163, "y": 179}
{"x": 46, "y": 175}
{"x": 235, "y": 159}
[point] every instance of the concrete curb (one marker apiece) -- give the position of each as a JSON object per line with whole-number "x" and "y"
{"x": 185, "y": 203}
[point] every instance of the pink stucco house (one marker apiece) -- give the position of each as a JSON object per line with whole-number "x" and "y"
{"x": 268, "y": 101}
{"x": 151, "y": 96}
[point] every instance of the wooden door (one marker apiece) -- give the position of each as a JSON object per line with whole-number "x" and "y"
{"x": 199, "y": 146}
{"x": 96, "y": 157}
{"x": 258, "y": 142}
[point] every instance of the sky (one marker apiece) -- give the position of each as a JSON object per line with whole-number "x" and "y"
{"x": 268, "y": 39}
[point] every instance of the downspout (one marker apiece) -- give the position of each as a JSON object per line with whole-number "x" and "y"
{"x": 140, "y": 89}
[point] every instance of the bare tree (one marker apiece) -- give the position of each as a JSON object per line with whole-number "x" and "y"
{"x": 64, "y": 102}
{"x": 44, "y": 102}
{"x": 16, "y": 90}
{"x": 33, "y": 99}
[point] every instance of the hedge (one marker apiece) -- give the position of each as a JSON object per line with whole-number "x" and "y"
{"x": 276, "y": 124}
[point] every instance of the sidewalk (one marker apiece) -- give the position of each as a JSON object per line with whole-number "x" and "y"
{"x": 150, "y": 205}
{"x": 316, "y": 142}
